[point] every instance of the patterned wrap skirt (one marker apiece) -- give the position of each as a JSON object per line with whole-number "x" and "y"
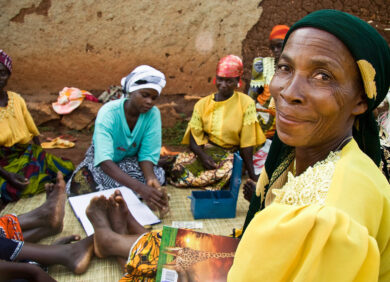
{"x": 87, "y": 178}
{"x": 143, "y": 258}
{"x": 11, "y": 238}
{"x": 32, "y": 162}
{"x": 188, "y": 171}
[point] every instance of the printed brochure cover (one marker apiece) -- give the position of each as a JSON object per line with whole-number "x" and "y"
{"x": 187, "y": 255}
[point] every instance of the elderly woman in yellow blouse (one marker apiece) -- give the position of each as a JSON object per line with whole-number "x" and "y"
{"x": 24, "y": 167}
{"x": 327, "y": 214}
{"x": 220, "y": 124}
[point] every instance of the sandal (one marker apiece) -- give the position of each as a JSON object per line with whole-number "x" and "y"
{"x": 57, "y": 143}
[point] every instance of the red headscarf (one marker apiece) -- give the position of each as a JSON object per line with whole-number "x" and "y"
{"x": 278, "y": 32}
{"x": 230, "y": 66}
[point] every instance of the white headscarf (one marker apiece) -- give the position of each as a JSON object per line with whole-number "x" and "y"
{"x": 143, "y": 77}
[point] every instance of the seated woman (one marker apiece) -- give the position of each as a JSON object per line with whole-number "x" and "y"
{"x": 221, "y": 123}
{"x": 263, "y": 69}
{"x": 327, "y": 204}
{"x": 18, "y": 234}
{"x": 126, "y": 142}
{"x": 24, "y": 167}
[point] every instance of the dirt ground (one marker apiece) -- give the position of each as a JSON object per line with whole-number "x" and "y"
{"x": 84, "y": 138}
{"x": 75, "y": 154}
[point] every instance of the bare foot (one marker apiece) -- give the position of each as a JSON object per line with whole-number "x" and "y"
{"x": 97, "y": 213}
{"x": 249, "y": 189}
{"x": 67, "y": 240}
{"x": 80, "y": 255}
{"x": 117, "y": 215}
{"x": 55, "y": 204}
{"x": 133, "y": 227}
{"x": 47, "y": 219}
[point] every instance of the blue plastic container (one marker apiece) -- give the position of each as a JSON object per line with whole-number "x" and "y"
{"x": 218, "y": 204}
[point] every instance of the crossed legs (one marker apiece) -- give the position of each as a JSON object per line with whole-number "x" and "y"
{"x": 39, "y": 223}
{"x": 116, "y": 229}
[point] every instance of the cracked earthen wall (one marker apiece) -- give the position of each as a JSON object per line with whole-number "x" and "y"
{"x": 91, "y": 44}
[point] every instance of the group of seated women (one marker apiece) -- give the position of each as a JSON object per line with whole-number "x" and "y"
{"x": 321, "y": 211}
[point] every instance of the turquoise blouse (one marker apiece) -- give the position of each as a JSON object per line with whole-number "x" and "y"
{"x": 114, "y": 141}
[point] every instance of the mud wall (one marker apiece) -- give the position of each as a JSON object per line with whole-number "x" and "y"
{"x": 92, "y": 44}
{"x": 375, "y": 12}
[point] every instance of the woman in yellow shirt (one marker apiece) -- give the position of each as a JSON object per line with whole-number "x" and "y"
{"x": 24, "y": 167}
{"x": 325, "y": 204}
{"x": 220, "y": 124}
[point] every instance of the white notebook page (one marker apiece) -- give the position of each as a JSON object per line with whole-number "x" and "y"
{"x": 139, "y": 210}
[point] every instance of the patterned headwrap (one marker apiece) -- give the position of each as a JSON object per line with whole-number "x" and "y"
{"x": 230, "y": 66}
{"x": 143, "y": 77}
{"x": 278, "y": 32}
{"x": 6, "y": 60}
{"x": 372, "y": 56}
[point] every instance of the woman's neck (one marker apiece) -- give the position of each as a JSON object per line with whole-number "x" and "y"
{"x": 3, "y": 98}
{"x": 308, "y": 156}
{"x": 131, "y": 114}
{"x": 130, "y": 110}
{"x": 220, "y": 97}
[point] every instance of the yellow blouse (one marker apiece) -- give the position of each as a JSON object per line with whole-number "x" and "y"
{"x": 228, "y": 123}
{"x": 16, "y": 123}
{"x": 344, "y": 238}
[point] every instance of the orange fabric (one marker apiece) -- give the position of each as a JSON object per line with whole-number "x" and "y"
{"x": 166, "y": 152}
{"x": 263, "y": 99}
{"x": 10, "y": 227}
{"x": 265, "y": 96}
{"x": 143, "y": 258}
{"x": 279, "y": 32}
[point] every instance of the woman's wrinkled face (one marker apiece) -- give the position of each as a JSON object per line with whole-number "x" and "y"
{"x": 317, "y": 89}
{"x": 144, "y": 99}
{"x": 226, "y": 85}
{"x": 4, "y": 75}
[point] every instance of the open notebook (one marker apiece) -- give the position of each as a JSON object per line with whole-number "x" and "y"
{"x": 139, "y": 210}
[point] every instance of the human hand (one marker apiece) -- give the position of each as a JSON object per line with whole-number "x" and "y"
{"x": 249, "y": 189}
{"x": 153, "y": 182}
{"x": 163, "y": 212}
{"x": 17, "y": 180}
{"x": 152, "y": 196}
{"x": 207, "y": 162}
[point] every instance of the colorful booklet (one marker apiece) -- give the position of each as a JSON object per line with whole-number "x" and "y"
{"x": 139, "y": 210}
{"x": 187, "y": 255}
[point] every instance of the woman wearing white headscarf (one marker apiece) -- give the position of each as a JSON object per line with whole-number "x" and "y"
{"x": 127, "y": 142}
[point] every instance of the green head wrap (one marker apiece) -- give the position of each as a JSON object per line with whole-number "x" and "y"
{"x": 372, "y": 55}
